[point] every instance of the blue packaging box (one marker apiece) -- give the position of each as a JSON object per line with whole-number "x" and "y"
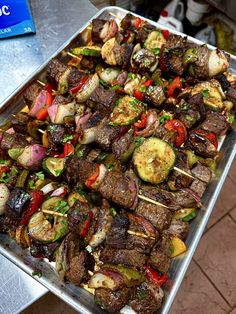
{"x": 15, "y": 18}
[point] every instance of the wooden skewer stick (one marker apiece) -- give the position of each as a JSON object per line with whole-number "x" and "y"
{"x": 184, "y": 172}
{"x": 142, "y": 197}
{"x": 44, "y": 84}
{"x": 41, "y": 131}
{"x": 51, "y": 212}
{"x": 116, "y": 16}
{"x": 73, "y": 55}
{"x": 140, "y": 234}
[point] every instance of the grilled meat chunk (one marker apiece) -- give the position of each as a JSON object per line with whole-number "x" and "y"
{"x": 122, "y": 54}
{"x": 112, "y": 301}
{"x": 20, "y": 121}
{"x": 202, "y": 173}
{"x": 55, "y": 134}
{"x": 201, "y": 145}
{"x": 143, "y": 32}
{"x": 146, "y": 298}
{"x": 15, "y": 140}
{"x": 198, "y": 187}
{"x": 225, "y": 84}
{"x": 106, "y": 134}
{"x": 117, "y": 235}
{"x": 71, "y": 263}
{"x": 103, "y": 100}
{"x": 130, "y": 258}
{"x": 144, "y": 58}
{"x": 143, "y": 235}
{"x": 124, "y": 146}
{"x": 97, "y": 26}
{"x": 155, "y": 95}
{"x": 118, "y": 188}
{"x": 160, "y": 195}
{"x": 71, "y": 170}
{"x": 55, "y": 69}
{"x": 201, "y": 69}
{"x": 17, "y": 203}
{"x": 165, "y": 135}
{"x": 31, "y": 93}
{"x": 78, "y": 214}
{"x": 231, "y": 93}
{"x": 160, "y": 254}
{"x": 215, "y": 122}
{"x": 74, "y": 77}
{"x": 159, "y": 216}
{"x": 85, "y": 170}
{"x": 178, "y": 228}
{"x": 177, "y": 180}
{"x": 186, "y": 198}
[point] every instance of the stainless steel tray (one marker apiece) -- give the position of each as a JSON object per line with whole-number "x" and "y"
{"x": 78, "y": 298}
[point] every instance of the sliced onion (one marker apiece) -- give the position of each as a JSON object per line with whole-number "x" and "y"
{"x": 109, "y": 75}
{"x": 122, "y": 77}
{"x": 102, "y": 173}
{"x": 38, "y": 104}
{"x": 89, "y": 136}
{"x": 217, "y": 62}
{"x": 148, "y": 227}
{"x": 107, "y": 279}
{"x": 10, "y": 131}
{"x": 61, "y": 191}
{"x": 4, "y": 195}
{"x": 46, "y": 189}
{"x": 88, "y": 88}
{"x": 57, "y": 113}
{"x": 104, "y": 30}
{"x": 111, "y": 32}
{"x": 32, "y": 156}
{"x": 152, "y": 124}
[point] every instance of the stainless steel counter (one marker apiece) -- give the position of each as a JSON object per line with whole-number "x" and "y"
{"x": 55, "y": 22}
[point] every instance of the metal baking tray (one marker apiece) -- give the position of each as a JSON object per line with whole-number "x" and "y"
{"x": 77, "y": 297}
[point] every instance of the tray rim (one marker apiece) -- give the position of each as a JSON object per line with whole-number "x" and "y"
{"x": 191, "y": 249}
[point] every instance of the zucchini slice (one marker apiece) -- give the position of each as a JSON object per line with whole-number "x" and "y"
{"x": 126, "y": 111}
{"x": 153, "y": 160}
{"x": 54, "y": 166}
{"x": 185, "y": 214}
{"x": 93, "y": 51}
{"x": 41, "y": 230}
{"x": 51, "y": 203}
{"x": 75, "y": 196}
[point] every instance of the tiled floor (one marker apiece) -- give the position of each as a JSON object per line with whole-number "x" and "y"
{"x": 209, "y": 286}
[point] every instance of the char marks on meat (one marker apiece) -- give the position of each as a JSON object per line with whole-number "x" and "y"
{"x": 186, "y": 198}
{"x": 31, "y": 93}
{"x": 146, "y": 298}
{"x": 159, "y": 216}
{"x": 202, "y": 173}
{"x": 55, "y": 69}
{"x": 112, "y": 301}
{"x": 201, "y": 145}
{"x": 55, "y": 135}
{"x": 97, "y": 26}
{"x": 130, "y": 258}
{"x": 215, "y": 122}
{"x": 17, "y": 203}
{"x": 102, "y": 100}
{"x": 15, "y": 140}
{"x": 74, "y": 77}
{"x": 178, "y": 228}
{"x": 124, "y": 146}
{"x": 231, "y": 93}
{"x": 117, "y": 235}
{"x": 117, "y": 188}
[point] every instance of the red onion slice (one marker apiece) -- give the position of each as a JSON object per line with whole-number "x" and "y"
{"x": 195, "y": 196}
{"x": 32, "y": 157}
{"x": 38, "y": 104}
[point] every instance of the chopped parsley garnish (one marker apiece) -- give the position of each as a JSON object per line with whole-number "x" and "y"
{"x": 57, "y": 172}
{"x": 31, "y": 184}
{"x": 147, "y": 62}
{"x": 113, "y": 211}
{"x": 2, "y": 161}
{"x": 67, "y": 138}
{"x": 189, "y": 118}
{"x": 40, "y": 175}
{"x": 205, "y": 93}
{"x": 138, "y": 141}
{"x": 37, "y": 273}
{"x": 164, "y": 118}
{"x": 131, "y": 75}
{"x": 4, "y": 177}
{"x": 156, "y": 51}
{"x": 143, "y": 89}
{"x": 142, "y": 294}
{"x": 185, "y": 106}
{"x": 62, "y": 207}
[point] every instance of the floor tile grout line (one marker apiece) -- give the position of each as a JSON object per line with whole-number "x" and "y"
{"x": 216, "y": 222}
{"x": 210, "y": 280}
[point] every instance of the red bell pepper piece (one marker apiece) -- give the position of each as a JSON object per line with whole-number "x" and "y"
{"x": 68, "y": 150}
{"x": 137, "y": 22}
{"x": 153, "y": 275}
{"x": 75, "y": 89}
{"x": 175, "y": 84}
{"x": 209, "y": 135}
{"x": 86, "y": 225}
{"x": 179, "y": 127}
{"x": 90, "y": 181}
{"x": 142, "y": 123}
{"x": 139, "y": 95}
{"x": 37, "y": 199}
{"x": 165, "y": 33}
{"x": 148, "y": 83}
{"x": 43, "y": 113}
